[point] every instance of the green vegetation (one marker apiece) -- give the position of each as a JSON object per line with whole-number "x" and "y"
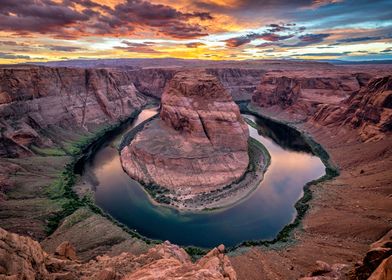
{"x": 48, "y": 151}
{"x": 61, "y": 189}
{"x": 255, "y": 148}
{"x": 251, "y": 123}
{"x": 195, "y": 252}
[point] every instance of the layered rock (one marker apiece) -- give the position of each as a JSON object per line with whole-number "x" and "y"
{"x": 300, "y": 92}
{"x": 23, "y": 258}
{"x": 239, "y": 82}
{"x": 368, "y": 110}
{"x": 38, "y": 104}
{"x": 198, "y": 144}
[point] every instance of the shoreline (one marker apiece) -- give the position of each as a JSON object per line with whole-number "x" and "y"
{"x": 302, "y": 205}
{"x": 220, "y": 199}
{"x": 282, "y": 236}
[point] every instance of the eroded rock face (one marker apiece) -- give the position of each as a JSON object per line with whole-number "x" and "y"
{"x": 239, "y": 82}
{"x": 368, "y": 110}
{"x": 198, "y": 144}
{"x": 300, "y": 92}
{"x": 23, "y": 258}
{"x": 377, "y": 261}
{"x": 38, "y": 104}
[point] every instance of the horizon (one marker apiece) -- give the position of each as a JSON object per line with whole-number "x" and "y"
{"x": 61, "y": 30}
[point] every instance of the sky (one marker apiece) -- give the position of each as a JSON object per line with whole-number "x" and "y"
{"x": 49, "y": 30}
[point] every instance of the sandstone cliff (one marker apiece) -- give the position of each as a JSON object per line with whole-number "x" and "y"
{"x": 299, "y": 92}
{"x": 39, "y": 104}
{"x": 239, "y": 82}
{"x": 368, "y": 110}
{"x": 198, "y": 144}
{"x": 23, "y": 258}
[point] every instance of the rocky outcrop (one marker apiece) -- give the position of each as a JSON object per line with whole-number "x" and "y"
{"x": 383, "y": 271}
{"x": 377, "y": 262}
{"x": 369, "y": 110}
{"x": 23, "y": 258}
{"x": 299, "y": 93}
{"x": 152, "y": 82}
{"x": 198, "y": 144}
{"x": 239, "y": 82}
{"x": 38, "y": 104}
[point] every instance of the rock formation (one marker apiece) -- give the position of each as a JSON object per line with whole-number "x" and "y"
{"x": 198, "y": 144}
{"x": 239, "y": 82}
{"x": 368, "y": 110}
{"x": 39, "y": 104}
{"x": 23, "y": 258}
{"x": 299, "y": 92}
{"x": 377, "y": 262}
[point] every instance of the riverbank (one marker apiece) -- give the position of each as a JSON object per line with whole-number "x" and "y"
{"x": 213, "y": 200}
{"x": 113, "y": 170}
{"x": 40, "y": 201}
{"x": 344, "y": 216}
{"x": 302, "y": 205}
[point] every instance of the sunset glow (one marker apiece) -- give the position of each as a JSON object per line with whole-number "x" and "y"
{"x": 47, "y": 30}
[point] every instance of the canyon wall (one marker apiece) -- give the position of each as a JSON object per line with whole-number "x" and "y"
{"x": 369, "y": 110}
{"x": 239, "y": 82}
{"x": 34, "y": 99}
{"x": 333, "y": 98}
{"x": 300, "y": 92}
{"x": 39, "y": 104}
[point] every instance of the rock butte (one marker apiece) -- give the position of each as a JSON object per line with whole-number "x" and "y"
{"x": 198, "y": 144}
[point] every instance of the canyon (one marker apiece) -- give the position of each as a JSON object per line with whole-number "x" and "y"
{"x": 49, "y": 115}
{"x": 199, "y": 143}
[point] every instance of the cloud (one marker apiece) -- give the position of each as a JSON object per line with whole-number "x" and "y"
{"x": 388, "y": 50}
{"x": 274, "y": 37}
{"x": 64, "y": 48}
{"x": 268, "y": 44}
{"x": 324, "y": 54}
{"x": 241, "y": 40}
{"x": 319, "y": 3}
{"x": 75, "y": 18}
{"x": 41, "y": 16}
{"x": 281, "y": 27}
{"x": 245, "y": 39}
{"x": 132, "y": 47}
{"x": 8, "y": 43}
{"x": 313, "y": 38}
{"x": 363, "y": 39}
{"x": 194, "y": 45}
{"x": 13, "y": 56}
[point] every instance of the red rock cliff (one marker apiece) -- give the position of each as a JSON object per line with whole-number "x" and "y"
{"x": 199, "y": 143}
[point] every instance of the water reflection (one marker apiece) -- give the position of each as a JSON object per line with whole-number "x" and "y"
{"x": 261, "y": 216}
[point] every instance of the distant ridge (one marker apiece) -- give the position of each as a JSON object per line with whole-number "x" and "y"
{"x": 171, "y": 62}
{"x": 346, "y": 62}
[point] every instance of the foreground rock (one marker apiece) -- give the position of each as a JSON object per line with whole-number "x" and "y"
{"x": 23, "y": 258}
{"x": 377, "y": 263}
{"x": 199, "y": 143}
